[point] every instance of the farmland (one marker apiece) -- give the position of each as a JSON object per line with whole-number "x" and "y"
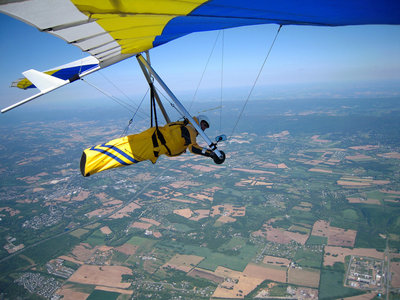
{"x": 281, "y": 216}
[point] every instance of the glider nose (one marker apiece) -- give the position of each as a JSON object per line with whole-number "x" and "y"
{"x": 83, "y": 163}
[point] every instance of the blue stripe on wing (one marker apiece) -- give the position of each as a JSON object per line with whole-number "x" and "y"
{"x": 111, "y": 147}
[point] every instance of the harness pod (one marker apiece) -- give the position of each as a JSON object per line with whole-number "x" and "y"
{"x": 170, "y": 140}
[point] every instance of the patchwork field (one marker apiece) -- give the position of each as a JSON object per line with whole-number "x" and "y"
{"x": 281, "y": 236}
{"x": 320, "y": 228}
{"x": 184, "y": 212}
{"x": 363, "y": 201}
{"x": 341, "y": 237}
{"x": 106, "y": 230}
{"x": 239, "y": 284}
{"x": 127, "y": 249}
{"x": 110, "y": 276}
{"x": 304, "y": 277}
{"x": 124, "y": 212}
{"x": 79, "y": 232}
{"x": 276, "y": 261}
{"x": 336, "y": 236}
{"x": 70, "y": 291}
{"x": 337, "y": 254}
{"x": 206, "y": 274}
{"x": 395, "y": 269}
{"x": 82, "y": 252}
{"x": 278, "y": 219}
{"x": 183, "y": 263}
{"x": 228, "y": 210}
{"x": 141, "y": 225}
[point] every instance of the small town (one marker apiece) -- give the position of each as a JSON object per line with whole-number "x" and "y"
{"x": 39, "y": 284}
{"x": 56, "y": 267}
{"x": 55, "y": 215}
{"x": 365, "y": 273}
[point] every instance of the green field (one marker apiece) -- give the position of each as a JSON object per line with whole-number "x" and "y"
{"x": 234, "y": 243}
{"x": 119, "y": 258}
{"x": 145, "y": 247}
{"x": 331, "y": 286}
{"x": 144, "y": 244}
{"x": 308, "y": 258}
{"x": 317, "y": 240}
{"x": 96, "y": 238}
{"x": 350, "y": 214}
{"x": 214, "y": 259}
{"x": 103, "y": 295}
{"x": 79, "y": 232}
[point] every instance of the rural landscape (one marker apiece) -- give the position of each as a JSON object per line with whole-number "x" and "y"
{"x": 306, "y": 206}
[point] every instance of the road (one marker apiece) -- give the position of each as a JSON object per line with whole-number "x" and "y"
{"x": 388, "y": 275}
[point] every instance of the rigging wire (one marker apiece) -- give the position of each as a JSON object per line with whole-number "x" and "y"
{"x": 114, "y": 85}
{"x": 80, "y": 67}
{"x": 125, "y": 105}
{"x": 204, "y": 70}
{"x": 255, "y": 81}
{"x": 210, "y": 109}
{"x": 120, "y": 90}
{"x": 125, "y": 132}
{"x": 169, "y": 101}
{"x": 222, "y": 78}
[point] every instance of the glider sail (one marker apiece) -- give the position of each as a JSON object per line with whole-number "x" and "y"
{"x": 113, "y": 30}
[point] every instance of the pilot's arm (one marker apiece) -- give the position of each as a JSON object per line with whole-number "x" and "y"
{"x": 196, "y": 149}
{"x": 193, "y": 146}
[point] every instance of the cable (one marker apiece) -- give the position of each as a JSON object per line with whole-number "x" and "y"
{"x": 117, "y": 88}
{"x": 222, "y": 78}
{"x": 204, "y": 71}
{"x": 169, "y": 101}
{"x": 125, "y": 132}
{"x": 127, "y": 106}
{"x": 255, "y": 82}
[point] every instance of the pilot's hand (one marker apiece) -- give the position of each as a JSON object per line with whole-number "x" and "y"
{"x": 216, "y": 159}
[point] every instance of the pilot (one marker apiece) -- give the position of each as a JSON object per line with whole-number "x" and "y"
{"x": 171, "y": 140}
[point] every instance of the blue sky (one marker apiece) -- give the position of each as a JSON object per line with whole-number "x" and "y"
{"x": 306, "y": 61}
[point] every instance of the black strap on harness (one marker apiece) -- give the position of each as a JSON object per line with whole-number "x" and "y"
{"x": 157, "y": 135}
{"x": 152, "y": 106}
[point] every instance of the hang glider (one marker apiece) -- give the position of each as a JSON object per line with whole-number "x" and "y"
{"x": 113, "y": 30}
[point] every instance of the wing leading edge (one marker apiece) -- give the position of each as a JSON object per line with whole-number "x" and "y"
{"x": 113, "y": 30}
{"x": 53, "y": 79}
{"x": 64, "y": 72}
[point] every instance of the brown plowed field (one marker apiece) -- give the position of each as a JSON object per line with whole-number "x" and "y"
{"x": 337, "y": 254}
{"x": 110, "y": 276}
{"x": 305, "y": 277}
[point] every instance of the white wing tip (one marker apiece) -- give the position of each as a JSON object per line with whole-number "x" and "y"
{"x": 43, "y": 81}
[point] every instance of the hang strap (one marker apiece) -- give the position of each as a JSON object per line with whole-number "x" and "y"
{"x": 152, "y": 107}
{"x": 157, "y": 135}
